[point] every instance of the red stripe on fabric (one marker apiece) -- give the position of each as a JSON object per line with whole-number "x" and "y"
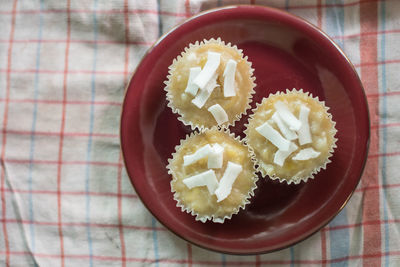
{"x": 369, "y": 76}
{"x": 319, "y": 14}
{"x": 387, "y": 125}
{"x": 51, "y": 162}
{"x": 355, "y": 35}
{"x": 83, "y": 224}
{"x": 4, "y": 137}
{"x": 323, "y": 247}
{"x": 258, "y": 260}
{"x": 75, "y": 41}
{"x": 376, "y": 187}
{"x": 68, "y": 102}
{"x": 379, "y": 155}
{"x": 218, "y": 263}
{"x": 189, "y": 252}
{"x": 38, "y": 133}
{"x": 90, "y": 11}
{"x": 62, "y": 128}
{"x": 187, "y": 9}
{"x": 376, "y": 63}
{"x": 252, "y": 2}
{"x": 41, "y": 71}
{"x": 70, "y": 193}
{"x": 383, "y": 94}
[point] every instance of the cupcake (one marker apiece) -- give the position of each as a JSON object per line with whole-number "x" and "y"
{"x": 213, "y": 175}
{"x": 292, "y": 136}
{"x": 211, "y": 83}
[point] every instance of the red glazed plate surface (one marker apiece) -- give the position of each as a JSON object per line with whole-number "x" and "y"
{"x": 286, "y": 52}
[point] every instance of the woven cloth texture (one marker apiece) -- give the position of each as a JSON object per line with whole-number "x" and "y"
{"x": 66, "y": 199}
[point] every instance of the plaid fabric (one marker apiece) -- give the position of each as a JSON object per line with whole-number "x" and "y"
{"x": 65, "y": 197}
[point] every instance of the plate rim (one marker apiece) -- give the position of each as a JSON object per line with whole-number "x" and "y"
{"x": 267, "y": 9}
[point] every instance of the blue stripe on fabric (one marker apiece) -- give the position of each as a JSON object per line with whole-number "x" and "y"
{"x": 90, "y": 141}
{"x": 335, "y": 20}
{"x": 33, "y": 128}
{"x": 219, "y": 2}
{"x": 339, "y": 239}
{"x": 292, "y": 256}
{"x": 223, "y": 257}
{"x": 384, "y": 130}
{"x": 287, "y": 5}
{"x": 155, "y": 241}
{"x": 160, "y": 24}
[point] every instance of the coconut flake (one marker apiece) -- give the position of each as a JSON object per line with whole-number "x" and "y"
{"x": 209, "y": 69}
{"x": 206, "y": 178}
{"x": 202, "y": 97}
{"x": 287, "y": 116}
{"x": 198, "y": 155}
{"x": 219, "y": 113}
{"x": 304, "y": 131}
{"x": 216, "y": 157}
{"x": 191, "y": 88}
{"x": 306, "y": 154}
{"x": 232, "y": 171}
{"x": 229, "y": 80}
{"x": 287, "y": 133}
{"x": 281, "y": 156}
{"x": 273, "y": 136}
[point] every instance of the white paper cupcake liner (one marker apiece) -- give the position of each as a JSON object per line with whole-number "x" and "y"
{"x": 211, "y": 217}
{"x": 294, "y": 180}
{"x": 181, "y": 115}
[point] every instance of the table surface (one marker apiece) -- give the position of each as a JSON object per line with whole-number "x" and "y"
{"x": 66, "y": 199}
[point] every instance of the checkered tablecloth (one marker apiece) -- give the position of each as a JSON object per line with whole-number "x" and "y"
{"x": 65, "y": 197}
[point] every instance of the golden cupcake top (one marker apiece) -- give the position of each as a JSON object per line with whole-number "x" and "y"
{"x": 209, "y": 84}
{"x": 292, "y": 135}
{"x": 213, "y": 175}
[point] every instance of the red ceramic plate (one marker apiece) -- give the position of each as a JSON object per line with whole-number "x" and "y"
{"x": 286, "y": 52}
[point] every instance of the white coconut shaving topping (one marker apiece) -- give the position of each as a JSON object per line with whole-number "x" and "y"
{"x": 304, "y": 131}
{"x": 209, "y": 69}
{"x": 306, "y": 154}
{"x": 216, "y": 157}
{"x": 229, "y": 80}
{"x": 202, "y": 152}
{"x": 232, "y": 171}
{"x": 192, "y": 88}
{"x": 287, "y": 116}
{"x": 273, "y": 136}
{"x": 287, "y": 133}
{"x": 210, "y": 86}
{"x": 202, "y": 97}
{"x": 281, "y": 156}
{"x": 219, "y": 113}
{"x": 206, "y": 178}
